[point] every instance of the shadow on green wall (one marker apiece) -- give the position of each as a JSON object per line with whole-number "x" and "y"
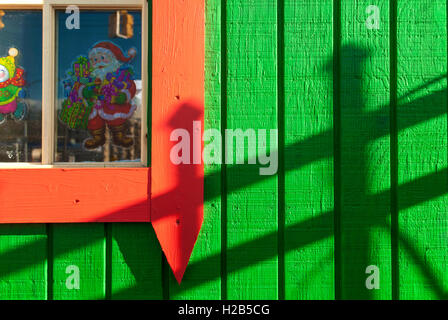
{"x": 424, "y": 188}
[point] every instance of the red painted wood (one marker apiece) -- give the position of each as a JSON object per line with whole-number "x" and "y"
{"x": 74, "y": 195}
{"x": 177, "y": 100}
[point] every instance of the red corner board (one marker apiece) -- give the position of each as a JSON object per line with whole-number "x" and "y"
{"x": 177, "y": 101}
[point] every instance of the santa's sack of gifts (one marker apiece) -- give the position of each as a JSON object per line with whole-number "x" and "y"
{"x": 76, "y": 110}
{"x": 75, "y": 114}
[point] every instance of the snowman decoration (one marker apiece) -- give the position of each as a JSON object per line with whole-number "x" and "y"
{"x": 11, "y": 84}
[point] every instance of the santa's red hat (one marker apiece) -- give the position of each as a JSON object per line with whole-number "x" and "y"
{"x": 111, "y": 48}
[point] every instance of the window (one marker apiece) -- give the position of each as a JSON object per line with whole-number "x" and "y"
{"x": 73, "y": 79}
{"x": 20, "y": 100}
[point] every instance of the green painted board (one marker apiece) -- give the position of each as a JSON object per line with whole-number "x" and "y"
{"x": 23, "y": 262}
{"x": 78, "y": 261}
{"x": 365, "y": 150}
{"x": 309, "y": 269}
{"x": 135, "y": 262}
{"x": 252, "y": 268}
{"x": 202, "y": 279}
{"x": 422, "y": 149}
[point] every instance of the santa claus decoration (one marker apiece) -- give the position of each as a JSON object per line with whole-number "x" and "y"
{"x": 100, "y": 94}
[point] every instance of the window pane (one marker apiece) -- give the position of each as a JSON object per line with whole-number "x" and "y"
{"x": 20, "y": 86}
{"x": 99, "y": 87}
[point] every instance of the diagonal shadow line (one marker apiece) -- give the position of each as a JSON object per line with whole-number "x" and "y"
{"x": 421, "y": 87}
{"x": 315, "y": 148}
{"x": 432, "y": 185}
{"x": 426, "y": 269}
{"x": 316, "y": 227}
{"x": 298, "y": 152}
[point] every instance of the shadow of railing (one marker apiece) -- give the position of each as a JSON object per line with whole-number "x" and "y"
{"x": 425, "y": 188}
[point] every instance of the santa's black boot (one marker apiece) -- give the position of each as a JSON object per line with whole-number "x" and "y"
{"x": 98, "y": 139}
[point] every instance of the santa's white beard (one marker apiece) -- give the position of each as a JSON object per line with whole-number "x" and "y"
{"x": 109, "y": 68}
{"x": 4, "y": 74}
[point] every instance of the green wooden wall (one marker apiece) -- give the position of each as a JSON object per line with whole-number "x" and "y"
{"x": 363, "y": 154}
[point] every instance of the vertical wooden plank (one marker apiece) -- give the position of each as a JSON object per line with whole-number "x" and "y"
{"x": 135, "y": 263}
{"x": 309, "y": 271}
{"x": 23, "y": 262}
{"x": 202, "y": 279}
{"x": 422, "y": 150}
{"x": 365, "y": 149}
{"x": 252, "y": 104}
{"x": 78, "y": 261}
